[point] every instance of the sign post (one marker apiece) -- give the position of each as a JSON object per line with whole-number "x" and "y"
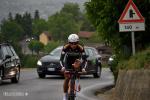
{"x": 133, "y": 43}
{"x": 131, "y": 20}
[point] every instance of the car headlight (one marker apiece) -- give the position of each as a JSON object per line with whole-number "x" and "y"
{"x": 111, "y": 59}
{"x": 39, "y": 63}
{"x": 12, "y": 73}
{"x": 99, "y": 61}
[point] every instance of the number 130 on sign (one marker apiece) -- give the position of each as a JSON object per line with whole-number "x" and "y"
{"x": 126, "y": 27}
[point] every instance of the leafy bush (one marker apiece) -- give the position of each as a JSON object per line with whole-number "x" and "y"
{"x": 29, "y": 61}
{"x": 138, "y": 61}
{"x": 36, "y": 46}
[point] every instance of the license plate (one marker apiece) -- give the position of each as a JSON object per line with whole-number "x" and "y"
{"x": 51, "y": 69}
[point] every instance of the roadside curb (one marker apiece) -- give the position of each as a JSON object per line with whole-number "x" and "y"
{"x": 89, "y": 92}
{"x": 104, "y": 89}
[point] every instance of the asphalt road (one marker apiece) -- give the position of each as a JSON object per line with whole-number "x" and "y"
{"x": 31, "y": 87}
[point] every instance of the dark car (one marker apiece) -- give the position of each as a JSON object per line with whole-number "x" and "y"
{"x": 9, "y": 63}
{"x": 49, "y": 64}
{"x": 111, "y": 61}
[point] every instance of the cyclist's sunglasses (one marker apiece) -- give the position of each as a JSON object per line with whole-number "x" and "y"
{"x": 73, "y": 43}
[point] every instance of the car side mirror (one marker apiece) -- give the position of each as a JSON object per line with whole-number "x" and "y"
{"x": 7, "y": 56}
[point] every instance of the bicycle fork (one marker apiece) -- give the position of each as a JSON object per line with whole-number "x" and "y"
{"x": 73, "y": 89}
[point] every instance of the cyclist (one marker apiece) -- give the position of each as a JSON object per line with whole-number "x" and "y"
{"x": 68, "y": 61}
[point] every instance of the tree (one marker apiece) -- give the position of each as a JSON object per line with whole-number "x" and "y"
{"x": 27, "y": 24}
{"x": 25, "y": 21}
{"x": 36, "y": 15}
{"x": 61, "y": 25}
{"x": 104, "y": 15}
{"x": 39, "y": 26}
{"x": 19, "y": 20}
{"x": 86, "y": 24}
{"x": 1, "y": 37}
{"x": 11, "y": 31}
{"x": 65, "y": 22}
{"x": 72, "y": 8}
{"x": 80, "y": 18}
{"x": 31, "y": 46}
{"x": 10, "y": 17}
{"x": 36, "y": 46}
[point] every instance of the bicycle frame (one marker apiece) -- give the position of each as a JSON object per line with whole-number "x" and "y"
{"x": 71, "y": 90}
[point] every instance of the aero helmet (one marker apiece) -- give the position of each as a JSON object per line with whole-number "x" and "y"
{"x": 73, "y": 38}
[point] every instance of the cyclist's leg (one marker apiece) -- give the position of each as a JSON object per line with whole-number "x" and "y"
{"x": 65, "y": 86}
{"x": 77, "y": 85}
{"x": 66, "y": 81}
{"x": 69, "y": 87}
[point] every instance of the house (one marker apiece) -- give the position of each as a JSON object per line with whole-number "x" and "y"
{"x": 85, "y": 34}
{"x": 45, "y": 37}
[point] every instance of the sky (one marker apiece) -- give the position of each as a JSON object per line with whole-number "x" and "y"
{"x": 45, "y": 7}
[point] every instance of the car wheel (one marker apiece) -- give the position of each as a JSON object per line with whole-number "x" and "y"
{"x": 41, "y": 75}
{"x": 98, "y": 72}
{"x": 16, "y": 78}
{"x": 111, "y": 69}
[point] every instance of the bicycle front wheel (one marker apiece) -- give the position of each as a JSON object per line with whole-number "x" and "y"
{"x": 71, "y": 98}
{"x": 72, "y": 95}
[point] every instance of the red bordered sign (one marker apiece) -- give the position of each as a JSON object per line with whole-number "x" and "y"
{"x": 131, "y": 14}
{"x": 131, "y": 19}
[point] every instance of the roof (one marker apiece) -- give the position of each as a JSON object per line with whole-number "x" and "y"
{"x": 47, "y": 34}
{"x": 85, "y": 34}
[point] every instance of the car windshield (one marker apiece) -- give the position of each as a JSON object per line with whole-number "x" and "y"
{"x": 56, "y": 52}
{"x": 88, "y": 51}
